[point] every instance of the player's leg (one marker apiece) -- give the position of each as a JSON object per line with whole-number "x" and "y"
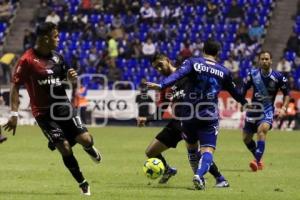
{"x": 249, "y": 142}
{"x": 262, "y": 131}
{"x": 167, "y": 138}
{"x": 87, "y": 141}
{"x": 55, "y": 135}
{"x": 76, "y": 130}
{"x": 248, "y": 132}
{"x": 207, "y": 135}
{"x": 72, "y": 165}
{"x": 155, "y": 149}
{"x": 194, "y": 156}
{"x": 221, "y": 181}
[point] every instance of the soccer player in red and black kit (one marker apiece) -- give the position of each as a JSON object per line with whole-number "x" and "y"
{"x": 173, "y": 132}
{"x": 42, "y": 71}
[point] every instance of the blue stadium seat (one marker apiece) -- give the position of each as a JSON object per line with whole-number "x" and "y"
{"x": 200, "y": 10}
{"x": 267, "y": 2}
{"x": 298, "y": 20}
{"x": 3, "y": 26}
{"x": 290, "y": 55}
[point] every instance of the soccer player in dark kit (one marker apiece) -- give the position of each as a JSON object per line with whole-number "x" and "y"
{"x": 200, "y": 118}
{"x": 171, "y": 134}
{"x": 42, "y": 71}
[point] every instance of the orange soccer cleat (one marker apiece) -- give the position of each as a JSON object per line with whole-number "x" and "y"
{"x": 260, "y": 165}
{"x": 253, "y": 165}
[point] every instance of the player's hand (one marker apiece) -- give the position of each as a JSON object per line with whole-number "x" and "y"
{"x": 153, "y": 86}
{"x": 141, "y": 121}
{"x": 72, "y": 75}
{"x": 281, "y": 113}
{"x": 11, "y": 124}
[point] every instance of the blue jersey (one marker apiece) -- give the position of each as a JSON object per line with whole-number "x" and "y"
{"x": 265, "y": 89}
{"x": 206, "y": 79}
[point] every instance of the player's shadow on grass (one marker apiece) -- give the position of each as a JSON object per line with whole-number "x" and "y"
{"x": 168, "y": 187}
{"x": 34, "y": 193}
{"x": 235, "y": 170}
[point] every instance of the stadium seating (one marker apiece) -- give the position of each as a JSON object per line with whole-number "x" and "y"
{"x": 191, "y": 26}
{"x": 4, "y": 25}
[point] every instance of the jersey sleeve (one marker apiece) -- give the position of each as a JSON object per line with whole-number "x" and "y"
{"x": 283, "y": 85}
{"x": 247, "y": 83}
{"x": 19, "y": 75}
{"x": 232, "y": 89}
{"x": 184, "y": 69}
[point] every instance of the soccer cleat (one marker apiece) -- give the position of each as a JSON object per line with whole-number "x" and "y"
{"x": 169, "y": 172}
{"x": 253, "y": 165}
{"x": 85, "y": 188}
{"x": 221, "y": 182}
{"x": 94, "y": 154}
{"x": 199, "y": 183}
{"x": 260, "y": 165}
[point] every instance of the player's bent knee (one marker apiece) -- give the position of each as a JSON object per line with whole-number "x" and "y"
{"x": 85, "y": 139}
{"x": 149, "y": 153}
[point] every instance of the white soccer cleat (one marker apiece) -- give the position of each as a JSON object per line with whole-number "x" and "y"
{"x": 199, "y": 183}
{"x": 85, "y": 188}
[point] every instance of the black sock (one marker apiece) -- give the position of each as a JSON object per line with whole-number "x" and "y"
{"x": 72, "y": 164}
{"x": 160, "y": 157}
{"x": 252, "y": 147}
{"x": 214, "y": 170}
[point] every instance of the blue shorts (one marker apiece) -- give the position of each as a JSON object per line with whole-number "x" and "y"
{"x": 201, "y": 130}
{"x": 251, "y": 124}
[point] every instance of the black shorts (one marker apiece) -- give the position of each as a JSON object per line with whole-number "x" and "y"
{"x": 57, "y": 131}
{"x": 171, "y": 134}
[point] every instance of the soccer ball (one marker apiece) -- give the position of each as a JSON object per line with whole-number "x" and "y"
{"x": 153, "y": 168}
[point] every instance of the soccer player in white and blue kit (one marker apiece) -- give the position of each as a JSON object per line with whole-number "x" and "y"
{"x": 200, "y": 116}
{"x": 266, "y": 82}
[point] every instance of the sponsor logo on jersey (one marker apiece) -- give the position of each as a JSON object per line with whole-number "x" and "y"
{"x": 200, "y": 67}
{"x": 49, "y": 81}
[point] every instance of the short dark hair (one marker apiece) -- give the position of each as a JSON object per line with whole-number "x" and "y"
{"x": 158, "y": 56}
{"x": 45, "y": 28}
{"x": 211, "y": 47}
{"x": 264, "y": 51}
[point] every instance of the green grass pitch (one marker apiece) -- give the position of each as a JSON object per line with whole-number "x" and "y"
{"x": 29, "y": 171}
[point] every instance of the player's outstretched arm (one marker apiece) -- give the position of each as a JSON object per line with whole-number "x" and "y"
{"x": 153, "y": 86}
{"x": 13, "y": 120}
{"x": 234, "y": 92}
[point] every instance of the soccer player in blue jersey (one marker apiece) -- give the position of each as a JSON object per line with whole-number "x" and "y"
{"x": 171, "y": 134}
{"x": 200, "y": 116}
{"x": 266, "y": 82}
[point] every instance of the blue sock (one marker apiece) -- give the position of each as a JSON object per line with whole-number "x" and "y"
{"x": 204, "y": 163}
{"x": 259, "y": 150}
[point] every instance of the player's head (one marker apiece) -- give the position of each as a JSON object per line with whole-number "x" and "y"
{"x": 162, "y": 64}
{"x": 47, "y": 35}
{"x": 265, "y": 60}
{"x": 211, "y": 48}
